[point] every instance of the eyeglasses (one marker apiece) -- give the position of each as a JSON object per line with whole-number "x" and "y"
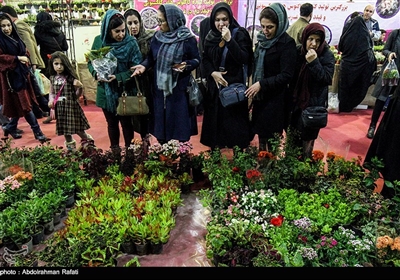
{"x": 160, "y": 21}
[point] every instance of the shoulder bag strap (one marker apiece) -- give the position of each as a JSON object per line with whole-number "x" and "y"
{"x": 139, "y": 93}
{"x": 222, "y": 65}
{"x": 59, "y": 92}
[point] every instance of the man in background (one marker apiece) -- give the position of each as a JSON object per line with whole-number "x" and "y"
{"x": 372, "y": 24}
{"x": 296, "y": 29}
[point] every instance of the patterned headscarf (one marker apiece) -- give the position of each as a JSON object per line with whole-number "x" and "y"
{"x": 171, "y": 50}
{"x": 144, "y": 35}
{"x": 264, "y": 43}
{"x": 301, "y": 91}
{"x": 119, "y": 50}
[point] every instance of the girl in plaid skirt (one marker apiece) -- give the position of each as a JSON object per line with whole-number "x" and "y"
{"x": 64, "y": 93}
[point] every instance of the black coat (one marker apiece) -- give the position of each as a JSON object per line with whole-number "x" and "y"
{"x": 357, "y": 64}
{"x": 269, "y": 106}
{"x": 321, "y": 72}
{"x": 50, "y": 38}
{"x": 385, "y": 144}
{"x": 226, "y": 127}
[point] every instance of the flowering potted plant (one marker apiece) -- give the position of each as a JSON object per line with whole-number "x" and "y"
{"x": 103, "y": 61}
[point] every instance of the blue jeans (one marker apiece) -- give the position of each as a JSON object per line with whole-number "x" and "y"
{"x": 30, "y": 118}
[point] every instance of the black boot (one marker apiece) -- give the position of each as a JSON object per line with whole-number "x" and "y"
{"x": 14, "y": 134}
{"x": 41, "y": 137}
{"x": 371, "y": 131}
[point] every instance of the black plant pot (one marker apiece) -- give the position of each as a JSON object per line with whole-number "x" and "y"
{"x": 156, "y": 248}
{"x": 38, "y": 236}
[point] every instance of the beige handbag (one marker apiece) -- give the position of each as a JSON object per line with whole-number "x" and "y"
{"x": 132, "y": 105}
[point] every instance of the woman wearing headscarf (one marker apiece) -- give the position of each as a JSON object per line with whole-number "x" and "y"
{"x": 16, "y": 92}
{"x": 225, "y": 127}
{"x": 385, "y": 146}
{"x": 114, "y": 34}
{"x": 173, "y": 55}
{"x": 357, "y": 64}
{"x": 136, "y": 28}
{"x": 391, "y": 50}
{"x": 49, "y": 37}
{"x": 314, "y": 72}
{"x": 274, "y": 67}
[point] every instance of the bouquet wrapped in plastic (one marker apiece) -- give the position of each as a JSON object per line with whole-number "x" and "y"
{"x": 103, "y": 61}
{"x": 390, "y": 74}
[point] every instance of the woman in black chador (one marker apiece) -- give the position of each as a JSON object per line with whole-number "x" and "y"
{"x": 357, "y": 64}
{"x": 49, "y": 37}
{"x": 385, "y": 144}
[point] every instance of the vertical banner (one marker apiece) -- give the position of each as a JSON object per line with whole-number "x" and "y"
{"x": 194, "y": 10}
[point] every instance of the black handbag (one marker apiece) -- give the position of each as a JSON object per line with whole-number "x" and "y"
{"x": 314, "y": 117}
{"x": 232, "y": 94}
{"x": 195, "y": 95}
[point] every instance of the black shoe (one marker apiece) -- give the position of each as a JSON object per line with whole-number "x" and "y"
{"x": 41, "y": 137}
{"x": 19, "y": 131}
{"x": 46, "y": 114}
{"x": 14, "y": 134}
{"x": 371, "y": 132}
{"x": 48, "y": 120}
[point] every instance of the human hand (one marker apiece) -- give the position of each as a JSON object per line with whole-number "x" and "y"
{"x": 219, "y": 80}
{"x": 311, "y": 55}
{"x": 392, "y": 56}
{"x": 179, "y": 67}
{"x": 24, "y": 59}
{"x": 137, "y": 70}
{"x": 226, "y": 34}
{"x": 253, "y": 90}
{"x": 78, "y": 83}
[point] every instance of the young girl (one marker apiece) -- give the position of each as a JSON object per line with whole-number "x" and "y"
{"x": 64, "y": 92}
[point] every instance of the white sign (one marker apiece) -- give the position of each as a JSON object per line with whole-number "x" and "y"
{"x": 332, "y": 14}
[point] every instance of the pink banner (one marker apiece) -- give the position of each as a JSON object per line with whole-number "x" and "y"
{"x": 194, "y": 10}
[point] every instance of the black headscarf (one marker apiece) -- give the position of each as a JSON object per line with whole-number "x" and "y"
{"x": 214, "y": 35}
{"x": 355, "y": 40}
{"x": 13, "y": 45}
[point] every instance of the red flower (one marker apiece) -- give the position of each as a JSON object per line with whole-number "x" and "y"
{"x": 236, "y": 169}
{"x": 326, "y": 205}
{"x": 250, "y": 174}
{"x": 277, "y": 221}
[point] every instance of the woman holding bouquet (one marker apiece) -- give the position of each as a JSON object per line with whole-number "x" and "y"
{"x": 174, "y": 55}
{"x": 114, "y": 34}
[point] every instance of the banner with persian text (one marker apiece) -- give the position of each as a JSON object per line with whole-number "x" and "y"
{"x": 332, "y": 14}
{"x": 195, "y": 11}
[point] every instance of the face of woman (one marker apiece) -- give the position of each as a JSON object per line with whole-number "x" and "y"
{"x": 118, "y": 34}
{"x": 313, "y": 42}
{"x": 268, "y": 28}
{"x": 221, "y": 20}
{"x": 6, "y": 26}
{"x": 133, "y": 24}
{"x": 162, "y": 22}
